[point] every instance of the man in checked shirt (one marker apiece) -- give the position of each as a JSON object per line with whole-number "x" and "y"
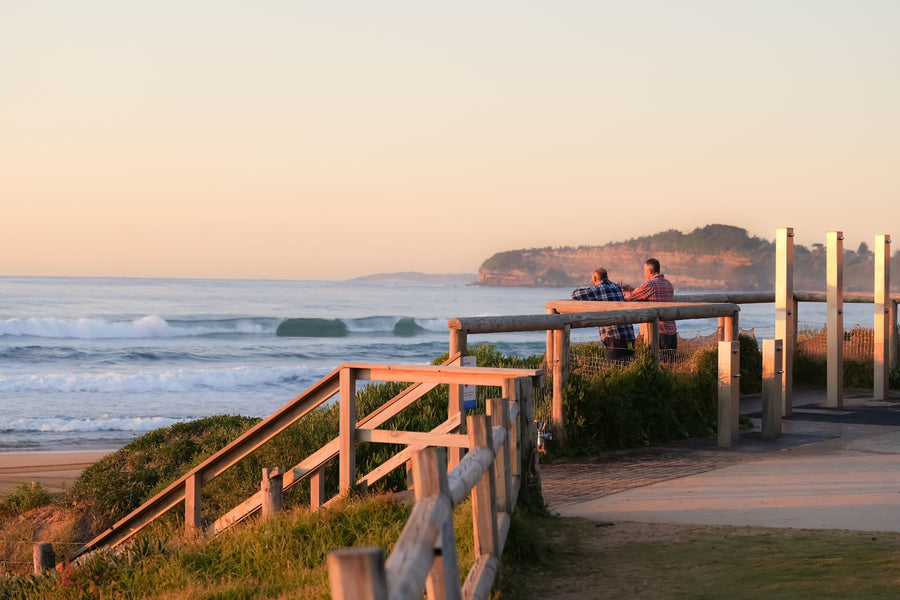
{"x": 656, "y": 289}
{"x": 617, "y": 339}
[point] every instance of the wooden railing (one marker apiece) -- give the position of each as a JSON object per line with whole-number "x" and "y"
{"x": 568, "y": 314}
{"x": 341, "y": 382}
{"x": 425, "y": 556}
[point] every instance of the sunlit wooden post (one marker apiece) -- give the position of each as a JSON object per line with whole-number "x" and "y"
{"x": 560, "y": 377}
{"x": 317, "y": 489}
{"x": 458, "y": 349}
{"x": 720, "y": 331}
{"x": 654, "y": 338}
{"x": 192, "y": 503}
{"x": 429, "y": 467}
{"x": 729, "y": 390}
{"x": 895, "y": 349}
{"x": 484, "y": 493}
{"x": 357, "y": 574}
{"x": 785, "y": 317}
{"x": 835, "y": 327}
{"x": 730, "y": 328}
{"x": 272, "y": 492}
{"x": 347, "y": 428}
{"x": 771, "y": 389}
{"x": 882, "y": 316}
{"x": 498, "y": 409}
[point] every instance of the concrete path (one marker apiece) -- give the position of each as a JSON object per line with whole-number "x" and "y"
{"x": 832, "y": 469}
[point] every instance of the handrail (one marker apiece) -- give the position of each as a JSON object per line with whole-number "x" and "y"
{"x": 578, "y": 313}
{"x": 189, "y": 486}
{"x": 263, "y": 431}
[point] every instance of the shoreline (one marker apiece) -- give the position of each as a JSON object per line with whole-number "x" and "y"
{"x": 54, "y": 470}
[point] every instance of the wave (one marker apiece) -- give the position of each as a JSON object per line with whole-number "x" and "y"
{"x": 172, "y": 380}
{"x": 387, "y": 325}
{"x": 104, "y": 423}
{"x": 154, "y": 326}
{"x": 151, "y": 326}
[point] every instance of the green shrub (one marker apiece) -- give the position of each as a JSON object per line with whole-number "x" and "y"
{"x": 641, "y": 404}
{"x": 27, "y": 496}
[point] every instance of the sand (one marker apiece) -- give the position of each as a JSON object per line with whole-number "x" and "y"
{"x": 54, "y": 470}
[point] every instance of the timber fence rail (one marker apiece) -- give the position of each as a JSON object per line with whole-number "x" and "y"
{"x": 425, "y": 556}
{"x": 341, "y": 382}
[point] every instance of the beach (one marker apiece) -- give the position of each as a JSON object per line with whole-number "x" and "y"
{"x": 53, "y": 470}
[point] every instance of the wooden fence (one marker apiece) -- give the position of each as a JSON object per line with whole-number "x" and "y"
{"x": 341, "y": 382}
{"x": 425, "y": 556}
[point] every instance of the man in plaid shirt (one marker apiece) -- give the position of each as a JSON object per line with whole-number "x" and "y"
{"x": 656, "y": 289}
{"x": 617, "y": 339}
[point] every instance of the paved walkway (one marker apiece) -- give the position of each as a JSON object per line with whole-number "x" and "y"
{"x": 832, "y": 468}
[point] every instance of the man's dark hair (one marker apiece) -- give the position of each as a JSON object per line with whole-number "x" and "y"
{"x": 653, "y": 263}
{"x": 601, "y": 273}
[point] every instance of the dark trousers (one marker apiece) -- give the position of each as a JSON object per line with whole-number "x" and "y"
{"x": 617, "y": 349}
{"x": 668, "y": 341}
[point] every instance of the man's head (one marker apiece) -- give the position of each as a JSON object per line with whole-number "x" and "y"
{"x": 598, "y": 275}
{"x": 651, "y": 267}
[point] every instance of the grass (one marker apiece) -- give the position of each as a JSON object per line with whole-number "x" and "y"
{"x": 580, "y": 558}
{"x": 280, "y": 558}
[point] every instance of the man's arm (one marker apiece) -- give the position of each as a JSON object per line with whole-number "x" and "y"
{"x": 643, "y": 292}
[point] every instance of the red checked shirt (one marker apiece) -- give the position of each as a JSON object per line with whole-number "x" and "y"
{"x": 656, "y": 289}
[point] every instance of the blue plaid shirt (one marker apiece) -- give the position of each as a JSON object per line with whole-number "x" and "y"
{"x": 610, "y": 292}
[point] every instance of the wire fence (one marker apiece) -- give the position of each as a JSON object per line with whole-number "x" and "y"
{"x": 859, "y": 345}
{"x": 590, "y": 358}
{"x": 16, "y": 556}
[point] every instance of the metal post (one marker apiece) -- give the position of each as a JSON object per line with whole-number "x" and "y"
{"x": 882, "y": 316}
{"x": 729, "y": 393}
{"x": 785, "y": 318}
{"x": 771, "y": 389}
{"x": 835, "y": 327}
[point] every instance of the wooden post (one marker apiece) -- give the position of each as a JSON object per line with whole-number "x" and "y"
{"x": 317, "y": 489}
{"x": 882, "y": 373}
{"x": 560, "y": 377}
{"x": 835, "y": 326}
{"x": 347, "y": 441}
{"x": 484, "y": 511}
{"x": 193, "y": 518}
{"x": 720, "y": 331}
{"x": 429, "y": 468}
{"x": 271, "y": 490}
{"x": 729, "y": 390}
{"x": 44, "y": 558}
{"x": 730, "y": 328}
{"x": 498, "y": 409}
{"x": 529, "y": 465}
{"x": 458, "y": 348}
{"x": 895, "y": 349}
{"x": 515, "y": 430}
{"x": 771, "y": 389}
{"x": 357, "y": 574}
{"x": 654, "y": 339}
{"x": 785, "y": 317}
{"x": 548, "y": 355}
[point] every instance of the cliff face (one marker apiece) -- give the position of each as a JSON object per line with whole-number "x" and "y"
{"x": 715, "y": 257}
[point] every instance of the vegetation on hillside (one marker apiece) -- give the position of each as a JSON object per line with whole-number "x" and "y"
{"x": 753, "y": 257}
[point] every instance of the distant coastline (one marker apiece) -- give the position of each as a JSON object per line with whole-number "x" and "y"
{"x": 417, "y": 277}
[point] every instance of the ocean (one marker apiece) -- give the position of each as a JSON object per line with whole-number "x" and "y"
{"x": 92, "y": 363}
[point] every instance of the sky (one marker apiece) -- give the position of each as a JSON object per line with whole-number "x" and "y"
{"x": 329, "y": 140}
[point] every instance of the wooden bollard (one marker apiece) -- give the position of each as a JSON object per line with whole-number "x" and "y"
{"x": 772, "y": 374}
{"x": 44, "y": 558}
{"x": 729, "y": 393}
{"x": 271, "y": 491}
